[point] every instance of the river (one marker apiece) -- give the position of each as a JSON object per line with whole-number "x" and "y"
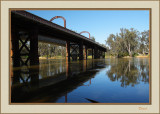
{"x": 111, "y": 80}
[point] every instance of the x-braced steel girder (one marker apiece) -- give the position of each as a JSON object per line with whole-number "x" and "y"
{"x": 26, "y": 54}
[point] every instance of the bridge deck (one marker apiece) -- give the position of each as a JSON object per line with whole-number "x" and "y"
{"x": 24, "y": 20}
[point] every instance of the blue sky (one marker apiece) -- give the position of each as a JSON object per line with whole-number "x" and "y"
{"x": 100, "y": 23}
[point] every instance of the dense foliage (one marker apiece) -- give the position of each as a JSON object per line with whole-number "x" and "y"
{"x": 50, "y": 50}
{"x": 128, "y": 42}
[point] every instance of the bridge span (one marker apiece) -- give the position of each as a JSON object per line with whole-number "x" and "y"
{"x": 28, "y": 27}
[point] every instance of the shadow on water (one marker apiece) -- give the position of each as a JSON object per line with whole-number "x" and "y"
{"x": 51, "y": 79}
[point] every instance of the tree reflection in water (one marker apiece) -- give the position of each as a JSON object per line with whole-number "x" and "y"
{"x": 129, "y": 71}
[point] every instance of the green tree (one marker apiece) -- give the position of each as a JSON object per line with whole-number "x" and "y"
{"x": 144, "y": 42}
{"x": 124, "y": 43}
{"x": 111, "y": 43}
{"x": 116, "y": 45}
{"x": 131, "y": 40}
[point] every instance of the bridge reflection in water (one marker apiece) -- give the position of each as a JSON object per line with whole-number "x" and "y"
{"x": 32, "y": 83}
{"x": 91, "y": 81}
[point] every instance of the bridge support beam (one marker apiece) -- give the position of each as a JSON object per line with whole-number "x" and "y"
{"x": 18, "y": 53}
{"x": 100, "y": 54}
{"x": 74, "y": 51}
{"x": 92, "y": 54}
{"x": 103, "y": 55}
{"x": 34, "y": 58}
{"x": 95, "y": 53}
{"x": 15, "y": 47}
{"x": 86, "y": 54}
{"x": 68, "y": 55}
{"x": 81, "y": 51}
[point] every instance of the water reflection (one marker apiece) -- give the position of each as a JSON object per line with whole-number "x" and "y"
{"x": 128, "y": 72}
{"x": 96, "y": 81}
{"x": 31, "y": 80}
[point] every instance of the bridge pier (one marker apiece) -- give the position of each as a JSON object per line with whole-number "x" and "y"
{"x": 34, "y": 58}
{"x": 21, "y": 51}
{"x": 81, "y": 51}
{"x": 100, "y": 54}
{"x": 92, "y": 53}
{"x": 103, "y": 55}
{"x": 74, "y": 50}
{"x": 18, "y": 52}
{"x": 15, "y": 47}
{"x": 95, "y": 53}
{"x": 68, "y": 51}
{"x": 86, "y": 53}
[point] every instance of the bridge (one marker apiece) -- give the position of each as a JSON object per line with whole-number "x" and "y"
{"x": 27, "y": 28}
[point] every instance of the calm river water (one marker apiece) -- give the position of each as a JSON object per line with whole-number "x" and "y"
{"x": 109, "y": 80}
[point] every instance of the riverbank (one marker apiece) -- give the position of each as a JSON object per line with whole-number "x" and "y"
{"x": 145, "y": 56}
{"x": 57, "y": 57}
{"x": 90, "y": 57}
{"x": 139, "y": 56}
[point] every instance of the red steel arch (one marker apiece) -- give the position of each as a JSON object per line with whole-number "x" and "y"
{"x": 85, "y": 32}
{"x": 59, "y": 17}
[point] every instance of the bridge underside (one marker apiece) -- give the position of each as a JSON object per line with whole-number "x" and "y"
{"x": 49, "y": 40}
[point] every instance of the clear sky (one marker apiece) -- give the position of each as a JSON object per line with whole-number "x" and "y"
{"x": 100, "y": 23}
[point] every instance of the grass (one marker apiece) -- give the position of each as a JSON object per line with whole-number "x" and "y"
{"x": 90, "y": 57}
{"x": 55, "y": 57}
{"x": 142, "y": 56}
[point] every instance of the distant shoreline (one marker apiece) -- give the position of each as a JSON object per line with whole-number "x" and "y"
{"x": 143, "y": 56}
{"x": 140, "y": 56}
{"x": 52, "y": 58}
